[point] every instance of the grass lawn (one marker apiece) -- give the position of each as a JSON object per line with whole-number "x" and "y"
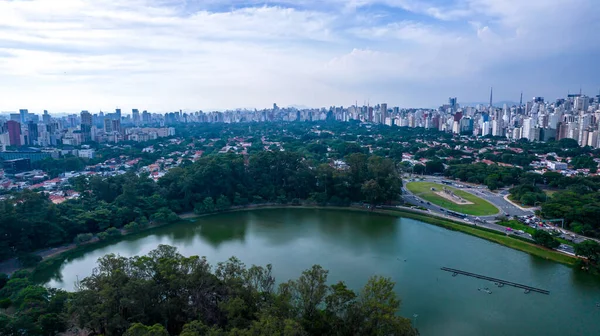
{"x": 480, "y": 207}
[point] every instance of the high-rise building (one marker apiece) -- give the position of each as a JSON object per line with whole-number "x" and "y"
{"x": 23, "y": 113}
{"x": 116, "y": 125}
{"x": 146, "y": 117}
{"x": 384, "y": 112}
{"x": 46, "y": 117}
{"x": 452, "y": 102}
{"x": 14, "y": 132}
{"x": 135, "y": 114}
{"x": 32, "y": 133}
{"x": 108, "y": 126}
{"x": 86, "y": 118}
{"x": 86, "y": 126}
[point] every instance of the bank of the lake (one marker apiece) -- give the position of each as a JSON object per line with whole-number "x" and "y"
{"x": 478, "y": 231}
{"x": 354, "y": 245}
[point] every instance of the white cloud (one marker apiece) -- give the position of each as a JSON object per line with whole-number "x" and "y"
{"x": 167, "y": 54}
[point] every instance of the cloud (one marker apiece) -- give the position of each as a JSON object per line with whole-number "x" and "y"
{"x": 165, "y": 55}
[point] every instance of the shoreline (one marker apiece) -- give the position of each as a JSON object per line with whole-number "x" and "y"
{"x": 52, "y": 255}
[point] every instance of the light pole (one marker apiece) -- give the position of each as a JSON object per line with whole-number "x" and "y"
{"x": 415, "y": 317}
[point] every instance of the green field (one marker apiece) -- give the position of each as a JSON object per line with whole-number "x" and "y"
{"x": 479, "y": 207}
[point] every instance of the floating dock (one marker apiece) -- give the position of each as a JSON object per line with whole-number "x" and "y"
{"x": 499, "y": 282}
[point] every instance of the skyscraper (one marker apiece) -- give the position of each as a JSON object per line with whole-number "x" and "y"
{"x": 14, "y": 132}
{"x": 384, "y": 112}
{"x": 46, "y": 117}
{"x": 452, "y": 102}
{"x": 108, "y": 126}
{"x": 135, "y": 114}
{"x": 32, "y": 133}
{"x": 23, "y": 114}
{"x": 86, "y": 126}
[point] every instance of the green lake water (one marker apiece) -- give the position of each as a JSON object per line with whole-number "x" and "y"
{"x": 354, "y": 245}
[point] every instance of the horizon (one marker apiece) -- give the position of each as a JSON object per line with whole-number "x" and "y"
{"x": 220, "y": 55}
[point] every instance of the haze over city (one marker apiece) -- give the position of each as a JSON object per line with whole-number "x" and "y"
{"x": 168, "y": 55}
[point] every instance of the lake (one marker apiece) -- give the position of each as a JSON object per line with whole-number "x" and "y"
{"x": 354, "y": 246}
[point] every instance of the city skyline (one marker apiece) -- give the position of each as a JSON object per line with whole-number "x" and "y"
{"x": 219, "y": 55}
{"x": 129, "y": 111}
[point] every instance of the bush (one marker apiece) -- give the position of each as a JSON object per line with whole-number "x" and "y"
{"x": 5, "y": 303}
{"x": 83, "y": 238}
{"x": 113, "y": 232}
{"x": 133, "y": 226}
{"x": 29, "y": 259}
{"x": 545, "y": 239}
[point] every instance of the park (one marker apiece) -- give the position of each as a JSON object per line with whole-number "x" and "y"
{"x": 452, "y": 198}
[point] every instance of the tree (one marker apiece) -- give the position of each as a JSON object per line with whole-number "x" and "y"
{"x": 222, "y": 203}
{"x": 419, "y": 169}
{"x": 545, "y": 239}
{"x": 372, "y": 191}
{"x": 83, "y": 238}
{"x": 29, "y": 259}
{"x": 434, "y": 166}
{"x": 589, "y": 249}
{"x": 138, "y": 329}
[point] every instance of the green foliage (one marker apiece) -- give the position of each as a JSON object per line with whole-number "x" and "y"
{"x": 589, "y": 249}
{"x": 493, "y": 176}
{"x": 138, "y": 329}
{"x": 181, "y": 295}
{"x": 83, "y": 238}
{"x": 584, "y": 161}
{"x": 29, "y": 259}
{"x": 527, "y": 194}
{"x": 545, "y": 239}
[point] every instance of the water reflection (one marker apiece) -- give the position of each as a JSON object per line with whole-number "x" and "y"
{"x": 215, "y": 234}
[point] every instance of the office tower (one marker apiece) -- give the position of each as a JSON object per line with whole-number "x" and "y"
{"x": 108, "y": 126}
{"x": 116, "y": 125}
{"x": 46, "y": 117}
{"x": 491, "y": 96}
{"x": 135, "y": 113}
{"x": 452, "y": 102}
{"x": 384, "y": 112}
{"x": 15, "y": 117}
{"x": 146, "y": 117}
{"x": 14, "y": 132}
{"x": 118, "y": 112}
{"x": 581, "y": 103}
{"x": 23, "y": 113}
{"x": 86, "y": 126}
{"x": 32, "y": 133}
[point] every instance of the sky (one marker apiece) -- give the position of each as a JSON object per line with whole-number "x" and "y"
{"x": 166, "y": 55}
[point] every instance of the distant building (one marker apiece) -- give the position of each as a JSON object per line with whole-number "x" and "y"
{"x": 86, "y": 153}
{"x": 15, "y": 166}
{"x": 14, "y": 132}
{"x": 554, "y": 165}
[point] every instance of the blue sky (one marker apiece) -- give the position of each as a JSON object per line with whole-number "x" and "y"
{"x": 163, "y": 55}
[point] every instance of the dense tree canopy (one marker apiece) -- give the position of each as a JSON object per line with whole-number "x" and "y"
{"x": 166, "y": 293}
{"x": 213, "y": 183}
